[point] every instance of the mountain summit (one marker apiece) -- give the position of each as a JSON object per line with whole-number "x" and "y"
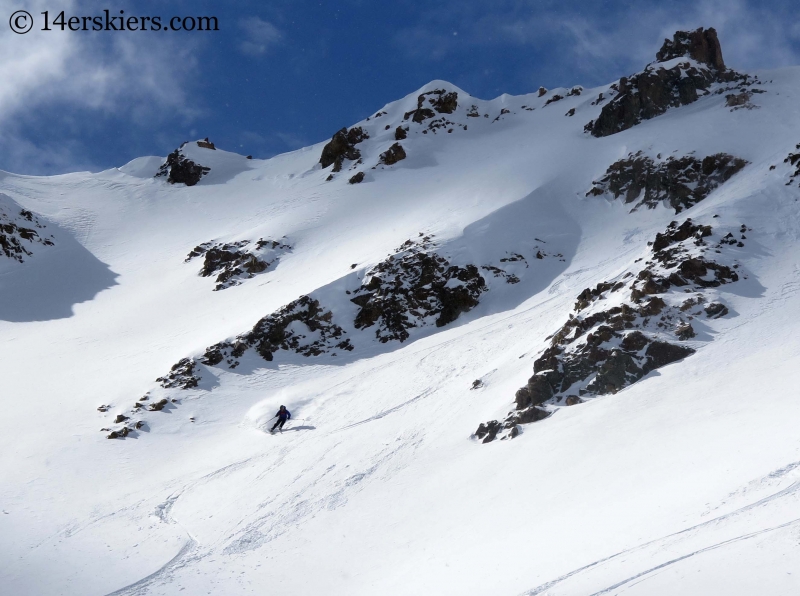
{"x": 701, "y": 45}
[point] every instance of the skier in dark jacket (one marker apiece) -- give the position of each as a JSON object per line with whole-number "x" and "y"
{"x": 283, "y": 415}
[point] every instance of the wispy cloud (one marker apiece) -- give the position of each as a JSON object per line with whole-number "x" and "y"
{"x": 115, "y": 76}
{"x": 260, "y": 36}
{"x": 600, "y": 42}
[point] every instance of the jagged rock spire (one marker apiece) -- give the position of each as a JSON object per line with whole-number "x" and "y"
{"x": 701, "y": 45}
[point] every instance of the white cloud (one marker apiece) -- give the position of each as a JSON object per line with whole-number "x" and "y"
{"x": 114, "y": 74}
{"x": 260, "y": 35}
{"x": 98, "y": 70}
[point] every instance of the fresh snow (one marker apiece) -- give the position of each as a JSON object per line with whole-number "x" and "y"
{"x": 685, "y": 482}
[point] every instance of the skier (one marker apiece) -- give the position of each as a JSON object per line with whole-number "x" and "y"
{"x": 283, "y": 415}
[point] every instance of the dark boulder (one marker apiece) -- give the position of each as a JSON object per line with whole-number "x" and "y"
{"x": 616, "y": 372}
{"x": 679, "y": 233}
{"x": 488, "y": 432}
{"x": 716, "y": 310}
{"x": 528, "y": 415}
{"x": 685, "y": 331}
{"x": 537, "y": 391}
{"x": 393, "y": 154}
{"x": 653, "y": 307}
{"x": 342, "y": 146}
{"x": 661, "y": 353}
{"x": 159, "y": 405}
{"x": 634, "y": 341}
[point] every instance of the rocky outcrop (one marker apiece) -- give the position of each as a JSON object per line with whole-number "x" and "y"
{"x": 393, "y": 154}
{"x": 653, "y": 91}
{"x": 342, "y": 146}
{"x": 179, "y": 169}
{"x": 793, "y": 159}
{"x": 415, "y": 287}
{"x": 234, "y": 262}
{"x": 182, "y": 375}
{"x": 613, "y": 338}
{"x": 302, "y": 326}
{"x": 701, "y": 45}
{"x": 441, "y": 101}
{"x": 677, "y": 182}
{"x": 20, "y": 230}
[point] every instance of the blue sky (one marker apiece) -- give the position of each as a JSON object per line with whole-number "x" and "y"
{"x": 283, "y": 74}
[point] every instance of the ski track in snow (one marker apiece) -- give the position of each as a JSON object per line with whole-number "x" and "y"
{"x": 663, "y": 542}
{"x": 162, "y": 575}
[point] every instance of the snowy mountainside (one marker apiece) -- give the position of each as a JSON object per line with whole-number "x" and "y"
{"x": 458, "y": 266}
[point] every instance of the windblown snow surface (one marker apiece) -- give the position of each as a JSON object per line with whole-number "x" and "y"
{"x": 686, "y": 482}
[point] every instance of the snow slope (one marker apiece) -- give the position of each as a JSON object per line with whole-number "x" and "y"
{"x": 685, "y": 482}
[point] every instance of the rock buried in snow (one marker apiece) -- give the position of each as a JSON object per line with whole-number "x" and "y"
{"x": 179, "y": 169}
{"x": 679, "y": 183}
{"x": 439, "y": 99}
{"x": 182, "y": 375}
{"x": 235, "y": 262}
{"x": 302, "y": 326}
{"x": 793, "y": 159}
{"x": 206, "y": 144}
{"x": 161, "y": 404}
{"x": 393, "y": 154}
